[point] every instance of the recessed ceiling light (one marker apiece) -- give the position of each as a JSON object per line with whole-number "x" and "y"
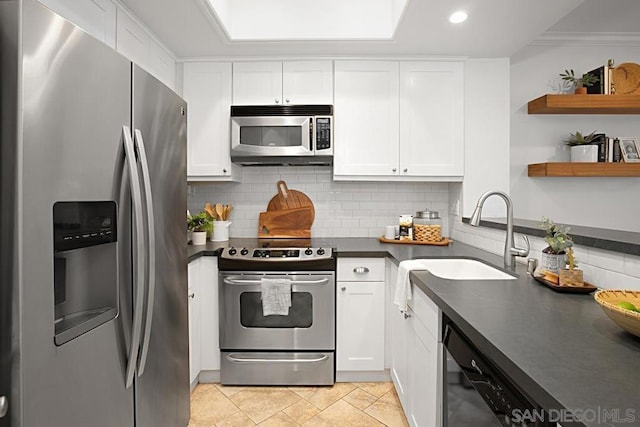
{"x": 458, "y": 17}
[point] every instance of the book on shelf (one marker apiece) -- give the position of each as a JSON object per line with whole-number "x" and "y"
{"x": 601, "y": 141}
{"x": 617, "y": 154}
{"x": 603, "y": 85}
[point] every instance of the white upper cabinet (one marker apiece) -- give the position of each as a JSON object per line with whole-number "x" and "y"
{"x": 307, "y": 82}
{"x": 257, "y": 83}
{"x": 366, "y": 118}
{"x": 207, "y": 90}
{"x": 431, "y": 119}
{"x": 96, "y": 17}
{"x": 134, "y": 42}
{"x": 282, "y": 83}
{"x": 399, "y": 120}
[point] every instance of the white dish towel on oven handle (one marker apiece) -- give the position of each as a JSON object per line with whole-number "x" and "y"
{"x": 276, "y": 296}
{"x": 403, "y": 285}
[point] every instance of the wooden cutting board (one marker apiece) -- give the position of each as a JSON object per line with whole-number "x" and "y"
{"x": 289, "y": 223}
{"x": 290, "y": 199}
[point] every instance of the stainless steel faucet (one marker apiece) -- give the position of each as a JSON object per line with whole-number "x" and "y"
{"x": 510, "y": 251}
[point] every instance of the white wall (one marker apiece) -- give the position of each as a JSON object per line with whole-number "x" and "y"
{"x": 612, "y": 203}
{"x": 486, "y": 133}
{"x": 343, "y": 209}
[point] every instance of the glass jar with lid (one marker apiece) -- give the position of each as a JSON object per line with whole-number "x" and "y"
{"x": 427, "y": 226}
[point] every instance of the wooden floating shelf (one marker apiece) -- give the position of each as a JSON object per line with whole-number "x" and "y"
{"x": 585, "y": 169}
{"x": 585, "y": 104}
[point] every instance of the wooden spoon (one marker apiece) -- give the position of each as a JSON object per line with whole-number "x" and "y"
{"x": 209, "y": 209}
{"x": 227, "y": 211}
{"x": 219, "y": 211}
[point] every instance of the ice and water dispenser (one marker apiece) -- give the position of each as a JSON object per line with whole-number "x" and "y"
{"x": 85, "y": 263}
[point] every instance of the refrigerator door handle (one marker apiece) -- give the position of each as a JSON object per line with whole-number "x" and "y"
{"x": 151, "y": 253}
{"x": 139, "y": 278}
{"x": 4, "y": 406}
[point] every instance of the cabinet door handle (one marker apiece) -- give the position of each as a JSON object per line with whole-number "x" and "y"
{"x": 224, "y": 171}
{"x": 406, "y": 315}
{"x": 361, "y": 270}
{"x": 192, "y": 295}
{"x": 406, "y": 170}
{"x": 277, "y": 100}
{"x": 287, "y": 100}
{"x": 394, "y": 169}
{"x": 344, "y": 288}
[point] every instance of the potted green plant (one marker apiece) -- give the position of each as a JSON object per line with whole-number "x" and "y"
{"x": 198, "y": 225}
{"x": 582, "y": 147}
{"x": 579, "y": 83}
{"x": 558, "y": 239}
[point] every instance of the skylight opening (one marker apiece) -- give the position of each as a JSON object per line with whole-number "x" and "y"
{"x": 244, "y": 20}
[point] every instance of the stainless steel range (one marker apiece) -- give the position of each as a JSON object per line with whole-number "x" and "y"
{"x": 277, "y": 316}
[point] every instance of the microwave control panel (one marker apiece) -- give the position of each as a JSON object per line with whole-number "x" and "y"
{"x": 323, "y": 133}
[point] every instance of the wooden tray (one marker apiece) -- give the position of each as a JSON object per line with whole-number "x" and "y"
{"x": 443, "y": 242}
{"x": 586, "y": 289}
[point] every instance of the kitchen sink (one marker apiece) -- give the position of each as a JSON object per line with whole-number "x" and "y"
{"x": 463, "y": 269}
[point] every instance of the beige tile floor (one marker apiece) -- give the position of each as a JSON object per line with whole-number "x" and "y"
{"x": 344, "y": 404}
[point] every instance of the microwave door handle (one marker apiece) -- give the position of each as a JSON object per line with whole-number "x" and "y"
{"x": 139, "y": 277}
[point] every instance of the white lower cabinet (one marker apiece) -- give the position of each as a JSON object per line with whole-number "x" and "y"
{"x": 204, "y": 349}
{"x": 416, "y": 358}
{"x": 360, "y": 315}
{"x": 210, "y": 346}
{"x": 194, "y": 321}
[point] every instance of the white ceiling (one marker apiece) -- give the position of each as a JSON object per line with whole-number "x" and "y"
{"x": 495, "y": 28}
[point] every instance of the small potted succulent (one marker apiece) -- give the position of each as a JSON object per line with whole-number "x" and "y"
{"x": 571, "y": 276}
{"x": 554, "y": 255}
{"x": 198, "y": 225}
{"x": 579, "y": 83}
{"x": 582, "y": 147}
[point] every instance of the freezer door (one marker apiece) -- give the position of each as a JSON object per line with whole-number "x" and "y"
{"x": 162, "y": 384}
{"x": 75, "y": 101}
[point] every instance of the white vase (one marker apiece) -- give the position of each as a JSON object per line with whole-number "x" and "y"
{"x": 552, "y": 262}
{"x": 584, "y": 153}
{"x": 220, "y": 231}
{"x": 199, "y": 238}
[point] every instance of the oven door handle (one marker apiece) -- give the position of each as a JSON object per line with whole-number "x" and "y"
{"x": 257, "y": 282}
{"x": 234, "y": 359}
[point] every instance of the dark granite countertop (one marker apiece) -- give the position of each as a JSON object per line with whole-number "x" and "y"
{"x": 560, "y": 348}
{"x": 627, "y": 242}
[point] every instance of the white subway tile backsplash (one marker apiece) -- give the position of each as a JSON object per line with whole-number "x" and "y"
{"x": 605, "y": 259}
{"x": 343, "y": 209}
{"x": 632, "y": 265}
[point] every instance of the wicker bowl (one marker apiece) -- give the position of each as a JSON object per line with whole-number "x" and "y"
{"x": 626, "y": 319}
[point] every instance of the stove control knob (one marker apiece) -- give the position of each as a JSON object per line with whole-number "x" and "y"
{"x": 244, "y": 251}
{"x": 320, "y": 251}
{"x": 308, "y": 251}
{"x": 232, "y": 251}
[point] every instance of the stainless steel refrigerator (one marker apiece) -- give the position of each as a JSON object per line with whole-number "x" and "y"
{"x": 93, "y": 307}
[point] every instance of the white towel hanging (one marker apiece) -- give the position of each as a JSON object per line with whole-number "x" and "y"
{"x": 403, "y": 285}
{"x": 276, "y": 296}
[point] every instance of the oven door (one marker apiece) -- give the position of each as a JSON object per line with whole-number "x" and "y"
{"x": 310, "y": 324}
{"x": 279, "y": 136}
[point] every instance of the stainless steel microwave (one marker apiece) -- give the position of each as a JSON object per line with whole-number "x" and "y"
{"x": 282, "y": 134}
